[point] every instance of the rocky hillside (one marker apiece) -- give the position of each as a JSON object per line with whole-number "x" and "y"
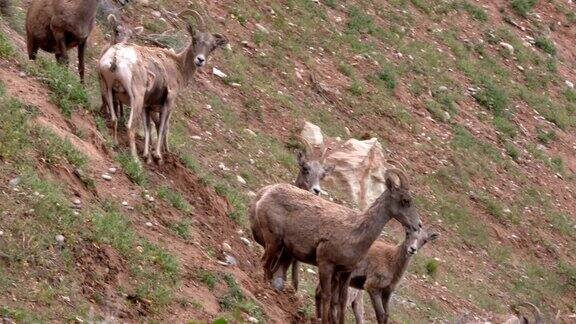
{"x": 474, "y": 99}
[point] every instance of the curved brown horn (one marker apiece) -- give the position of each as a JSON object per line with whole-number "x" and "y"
{"x": 535, "y": 311}
{"x": 403, "y": 180}
{"x": 196, "y": 15}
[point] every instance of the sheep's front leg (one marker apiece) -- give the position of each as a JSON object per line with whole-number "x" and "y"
{"x": 147, "y": 128}
{"x": 376, "y": 297}
{"x": 81, "y": 51}
{"x": 137, "y": 104}
{"x": 358, "y": 307}
{"x": 164, "y": 115}
{"x": 326, "y": 273}
{"x": 386, "y": 294}
{"x": 344, "y": 283}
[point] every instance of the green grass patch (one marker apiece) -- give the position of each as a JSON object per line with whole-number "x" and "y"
{"x": 546, "y": 137}
{"x": 6, "y": 49}
{"x": 207, "y": 277}
{"x": 523, "y": 7}
{"x": 175, "y": 199}
{"x": 512, "y": 151}
{"x": 387, "y": 76}
{"x": 67, "y": 91}
{"x": 182, "y": 229}
{"x": 476, "y": 12}
{"x": 236, "y": 199}
{"x": 505, "y": 126}
{"x": 545, "y": 44}
{"x": 53, "y": 149}
{"x": 133, "y": 169}
{"x": 493, "y": 98}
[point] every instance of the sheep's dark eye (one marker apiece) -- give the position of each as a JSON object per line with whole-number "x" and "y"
{"x": 406, "y": 202}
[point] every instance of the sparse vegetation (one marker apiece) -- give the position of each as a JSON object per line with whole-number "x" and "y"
{"x": 175, "y": 199}
{"x": 546, "y": 45}
{"x": 523, "y": 7}
{"x": 132, "y": 169}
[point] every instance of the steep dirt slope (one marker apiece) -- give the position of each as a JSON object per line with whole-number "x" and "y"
{"x": 470, "y": 97}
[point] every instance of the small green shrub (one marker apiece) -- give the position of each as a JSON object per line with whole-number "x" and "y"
{"x": 207, "y": 277}
{"x": 356, "y": 88}
{"x": 523, "y": 7}
{"x": 546, "y": 45}
{"x": 387, "y": 76}
{"x": 505, "y": 126}
{"x": 6, "y": 48}
{"x": 546, "y": 137}
{"x": 557, "y": 164}
{"x": 512, "y": 151}
{"x": 492, "y": 98}
{"x": 475, "y": 12}
{"x": 132, "y": 169}
{"x": 432, "y": 267}
{"x": 346, "y": 69}
{"x": 175, "y": 198}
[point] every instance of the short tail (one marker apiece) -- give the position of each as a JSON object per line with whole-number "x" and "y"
{"x": 535, "y": 311}
{"x": 295, "y": 265}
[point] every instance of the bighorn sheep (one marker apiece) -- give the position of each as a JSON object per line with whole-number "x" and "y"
{"x": 298, "y": 224}
{"x": 380, "y": 272}
{"x": 312, "y": 171}
{"x": 149, "y": 79}
{"x": 56, "y": 26}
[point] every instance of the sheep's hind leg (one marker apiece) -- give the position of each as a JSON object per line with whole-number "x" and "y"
{"x": 147, "y": 130}
{"x": 32, "y": 46}
{"x": 81, "y": 51}
{"x": 326, "y": 273}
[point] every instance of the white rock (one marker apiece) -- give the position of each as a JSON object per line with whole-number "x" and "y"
{"x": 230, "y": 260}
{"x": 507, "y": 210}
{"x": 228, "y": 47}
{"x": 507, "y": 46}
{"x": 240, "y": 179}
{"x": 60, "y": 238}
{"x": 310, "y": 271}
{"x": 569, "y": 84}
{"x": 112, "y": 170}
{"x": 139, "y": 249}
{"x": 250, "y": 132}
{"x": 312, "y": 134}
{"x": 251, "y": 194}
{"x": 76, "y": 213}
{"x": 1, "y": 233}
{"x": 149, "y": 198}
{"x": 196, "y": 137}
{"x": 226, "y": 247}
{"x": 235, "y": 85}
{"x": 106, "y": 177}
{"x": 124, "y": 203}
{"x": 442, "y": 88}
{"x": 347, "y": 130}
{"x": 22, "y": 74}
{"x": 246, "y": 241}
{"x": 223, "y": 167}
{"x": 252, "y": 319}
{"x": 219, "y": 73}
{"x": 77, "y": 201}
{"x": 14, "y": 182}
{"x": 262, "y": 29}
{"x": 148, "y": 224}
{"x": 156, "y": 13}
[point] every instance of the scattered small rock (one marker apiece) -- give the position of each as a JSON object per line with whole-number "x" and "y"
{"x": 230, "y": 260}
{"x": 106, "y": 177}
{"x": 250, "y": 132}
{"x": 77, "y": 201}
{"x": 241, "y": 180}
{"x": 507, "y": 46}
{"x": 148, "y": 224}
{"x": 139, "y": 249}
{"x": 262, "y": 29}
{"x": 228, "y": 47}
{"x": 219, "y": 73}
{"x": 252, "y": 319}
{"x": 507, "y": 210}
{"x": 251, "y": 194}
{"x": 223, "y": 167}
{"x": 442, "y": 88}
{"x": 235, "y": 85}
{"x": 112, "y": 170}
{"x": 310, "y": 271}
{"x": 226, "y": 247}
{"x": 76, "y": 213}
{"x": 14, "y": 182}
{"x": 196, "y": 137}
{"x": 60, "y": 239}
{"x": 246, "y": 241}
{"x": 149, "y": 198}
{"x": 124, "y": 203}
{"x": 1, "y": 233}
{"x": 569, "y": 84}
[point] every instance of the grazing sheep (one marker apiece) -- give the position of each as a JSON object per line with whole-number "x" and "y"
{"x": 56, "y": 26}
{"x": 380, "y": 272}
{"x": 149, "y": 80}
{"x": 311, "y": 173}
{"x": 296, "y": 223}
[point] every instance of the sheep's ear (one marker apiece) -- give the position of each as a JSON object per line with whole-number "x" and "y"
{"x": 221, "y": 40}
{"x": 433, "y": 236}
{"x": 138, "y": 30}
{"x": 301, "y": 158}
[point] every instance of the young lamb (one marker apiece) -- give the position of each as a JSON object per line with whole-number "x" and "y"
{"x": 56, "y": 26}
{"x": 149, "y": 80}
{"x": 300, "y": 225}
{"x": 311, "y": 173}
{"x": 380, "y": 272}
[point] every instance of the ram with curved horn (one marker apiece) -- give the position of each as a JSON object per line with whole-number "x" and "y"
{"x": 148, "y": 79}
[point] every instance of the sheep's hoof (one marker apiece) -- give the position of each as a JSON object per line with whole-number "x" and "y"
{"x": 278, "y": 284}
{"x": 148, "y": 159}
